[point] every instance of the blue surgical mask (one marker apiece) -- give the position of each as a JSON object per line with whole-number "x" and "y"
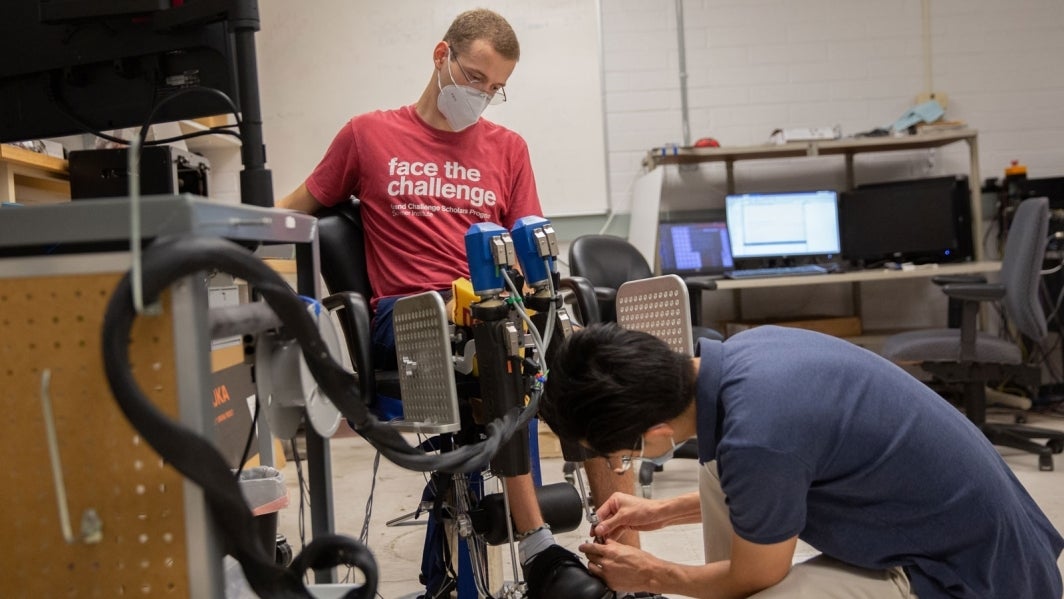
{"x": 665, "y": 457}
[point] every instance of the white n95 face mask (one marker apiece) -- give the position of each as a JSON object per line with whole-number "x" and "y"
{"x": 461, "y": 105}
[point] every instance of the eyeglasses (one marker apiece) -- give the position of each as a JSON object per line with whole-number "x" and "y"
{"x": 626, "y": 460}
{"x": 497, "y": 95}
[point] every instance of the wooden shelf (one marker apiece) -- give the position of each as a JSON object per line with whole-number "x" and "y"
{"x": 647, "y": 191}
{"x": 858, "y": 145}
{"x": 207, "y": 142}
{"x": 16, "y": 156}
{"x": 864, "y": 276}
{"x": 32, "y": 177}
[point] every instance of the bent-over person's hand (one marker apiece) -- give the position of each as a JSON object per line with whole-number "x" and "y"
{"x": 622, "y": 512}
{"x": 622, "y": 566}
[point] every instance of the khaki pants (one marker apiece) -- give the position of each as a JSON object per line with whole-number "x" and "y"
{"x": 820, "y": 577}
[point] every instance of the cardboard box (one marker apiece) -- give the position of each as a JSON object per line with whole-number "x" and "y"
{"x": 233, "y": 404}
{"x": 838, "y": 326}
{"x": 215, "y": 121}
{"x": 549, "y": 444}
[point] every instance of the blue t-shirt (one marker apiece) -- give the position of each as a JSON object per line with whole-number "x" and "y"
{"x": 818, "y": 438}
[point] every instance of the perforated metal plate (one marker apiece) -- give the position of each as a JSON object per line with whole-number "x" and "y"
{"x": 426, "y": 371}
{"x": 53, "y": 323}
{"x": 658, "y": 306}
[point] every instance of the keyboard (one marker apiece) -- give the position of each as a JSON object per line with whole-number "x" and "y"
{"x": 778, "y": 271}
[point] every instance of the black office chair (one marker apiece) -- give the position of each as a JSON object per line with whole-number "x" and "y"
{"x": 973, "y": 359}
{"x": 607, "y": 262}
{"x": 343, "y": 267}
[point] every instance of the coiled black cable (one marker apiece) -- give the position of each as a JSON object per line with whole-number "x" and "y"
{"x": 166, "y": 261}
{"x": 200, "y": 461}
{"x": 170, "y": 259}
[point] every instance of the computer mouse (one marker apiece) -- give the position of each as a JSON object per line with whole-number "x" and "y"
{"x": 707, "y": 142}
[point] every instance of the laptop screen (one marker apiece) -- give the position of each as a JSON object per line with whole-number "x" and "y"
{"x": 694, "y": 248}
{"x": 778, "y": 225}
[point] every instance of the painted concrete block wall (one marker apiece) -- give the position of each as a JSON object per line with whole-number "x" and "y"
{"x": 757, "y": 65}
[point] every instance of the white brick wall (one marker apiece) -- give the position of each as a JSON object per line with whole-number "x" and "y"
{"x": 755, "y": 65}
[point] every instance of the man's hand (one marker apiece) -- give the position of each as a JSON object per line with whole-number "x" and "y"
{"x": 622, "y": 566}
{"x": 623, "y": 512}
{"x": 753, "y": 568}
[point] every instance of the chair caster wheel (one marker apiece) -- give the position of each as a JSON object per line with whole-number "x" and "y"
{"x": 1045, "y": 462}
{"x": 1056, "y": 445}
{"x": 283, "y": 553}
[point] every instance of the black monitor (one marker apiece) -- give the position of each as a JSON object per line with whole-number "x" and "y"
{"x": 1051, "y": 187}
{"x": 917, "y": 220}
{"x": 101, "y": 72}
{"x": 73, "y": 66}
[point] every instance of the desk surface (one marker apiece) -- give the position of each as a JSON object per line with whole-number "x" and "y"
{"x": 863, "y": 276}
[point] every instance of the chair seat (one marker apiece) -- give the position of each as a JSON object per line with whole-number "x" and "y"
{"x": 943, "y": 345}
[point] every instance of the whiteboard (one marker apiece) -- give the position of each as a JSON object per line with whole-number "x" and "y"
{"x": 322, "y": 62}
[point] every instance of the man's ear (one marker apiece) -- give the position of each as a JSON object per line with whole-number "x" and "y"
{"x": 663, "y": 430}
{"x": 439, "y": 54}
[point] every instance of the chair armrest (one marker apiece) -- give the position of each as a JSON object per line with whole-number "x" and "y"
{"x": 698, "y": 284}
{"x": 695, "y": 287}
{"x": 948, "y": 279}
{"x": 970, "y": 296}
{"x": 975, "y": 292}
{"x": 586, "y": 301}
{"x": 606, "y": 294}
{"x": 355, "y": 322}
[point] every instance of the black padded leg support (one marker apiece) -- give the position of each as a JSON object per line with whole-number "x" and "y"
{"x": 559, "y": 503}
{"x": 556, "y": 572}
{"x": 502, "y": 389}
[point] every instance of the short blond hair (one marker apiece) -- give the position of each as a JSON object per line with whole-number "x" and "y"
{"x": 481, "y": 23}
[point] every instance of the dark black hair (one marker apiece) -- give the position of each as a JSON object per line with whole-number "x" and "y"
{"x": 607, "y": 385}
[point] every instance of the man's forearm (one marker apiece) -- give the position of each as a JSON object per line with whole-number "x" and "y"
{"x": 710, "y": 581}
{"x": 683, "y": 509}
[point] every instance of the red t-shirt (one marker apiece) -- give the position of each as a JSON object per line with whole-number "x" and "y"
{"x": 421, "y": 189}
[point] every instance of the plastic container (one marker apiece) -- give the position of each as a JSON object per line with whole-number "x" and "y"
{"x": 1015, "y": 178}
{"x": 266, "y": 494}
{"x": 264, "y": 490}
{"x": 1015, "y": 169}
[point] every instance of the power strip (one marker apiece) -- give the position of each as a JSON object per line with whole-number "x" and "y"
{"x": 782, "y": 136}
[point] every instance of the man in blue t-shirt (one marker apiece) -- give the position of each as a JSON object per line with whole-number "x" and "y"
{"x": 801, "y": 436}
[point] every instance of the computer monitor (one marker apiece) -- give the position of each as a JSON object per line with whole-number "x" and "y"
{"x": 694, "y": 248}
{"x": 778, "y": 226}
{"x": 1050, "y": 187}
{"x": 917, "y": 220}
{"x": 77, "y": 66}
{"x": 90, "y": 72}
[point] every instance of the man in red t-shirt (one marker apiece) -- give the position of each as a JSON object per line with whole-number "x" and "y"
{"x": 424, "y": 173}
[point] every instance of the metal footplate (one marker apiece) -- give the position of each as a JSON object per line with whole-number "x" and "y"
{"x": 658, "y": 306}
{"x": 426, "y": 370}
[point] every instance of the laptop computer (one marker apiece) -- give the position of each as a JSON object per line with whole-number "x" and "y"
{"x": 699, "y": 248}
